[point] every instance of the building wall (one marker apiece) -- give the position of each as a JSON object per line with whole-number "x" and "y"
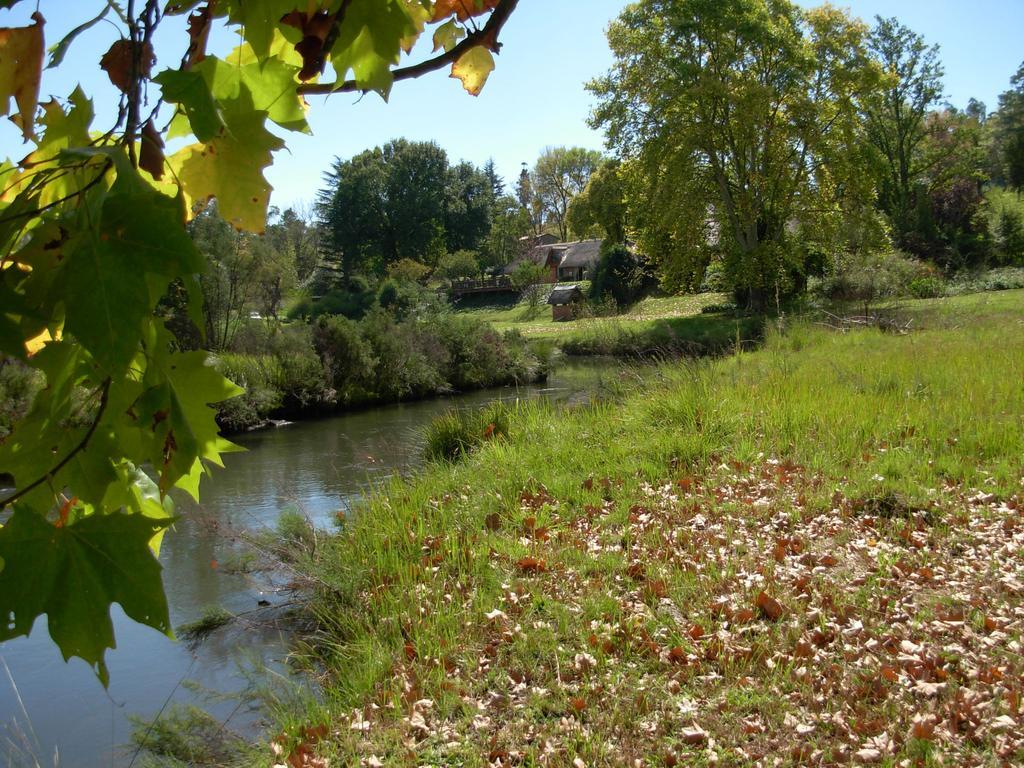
{"x": 561, "y": 312}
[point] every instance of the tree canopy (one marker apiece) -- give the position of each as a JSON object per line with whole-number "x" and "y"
{"x": 402, "y": 201}
{"x": 738, "y": 120}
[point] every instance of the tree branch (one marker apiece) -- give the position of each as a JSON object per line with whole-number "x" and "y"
{"x": 486, "y": 36}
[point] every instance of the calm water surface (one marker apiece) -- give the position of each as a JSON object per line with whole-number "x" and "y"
{"x": 57, "y": 713}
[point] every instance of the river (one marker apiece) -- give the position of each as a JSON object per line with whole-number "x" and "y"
{"x": 54, "y": 713}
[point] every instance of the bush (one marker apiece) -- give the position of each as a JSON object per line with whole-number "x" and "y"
{"x": 1004, "y": 279}
{"x": 715, "y": 280}
{"x": 867, "y": 278}
{"x": 459, "y": 264}
{"x": 256, "y": 374}
{"x": 346, "y": 357}
{"x": 409, "y": 363}
{"x": 408, "y": 270}
{"x": 285, "y": 383}
{"x": 927, "y": 287}
{"x": 1010, "y": 236}
{"x": 620, "y": 276}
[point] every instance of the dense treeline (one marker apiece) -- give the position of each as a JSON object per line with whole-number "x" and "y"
{"x": 774, "y": 145}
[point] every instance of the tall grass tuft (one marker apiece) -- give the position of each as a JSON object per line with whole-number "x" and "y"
{"x": 455, "y": 433}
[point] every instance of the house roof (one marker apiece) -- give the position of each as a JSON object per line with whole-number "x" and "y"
{"x": 565, "y": 294}
{"x": 539, "y": 255}
{"x": 582, "y": 254}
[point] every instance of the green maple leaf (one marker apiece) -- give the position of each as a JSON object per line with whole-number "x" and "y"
{"x": 191, "y": 91}
{"x": 271, "y": 86}
{"x": 230, "y": 166}
{"x": 107, "y": 293}
{"x": 73, "y": 575}
{"x": 259, "y": 21}
{"x": 448, "y": 35}
{"x": 175, "y": 416}
{"x": 370, "y": 42}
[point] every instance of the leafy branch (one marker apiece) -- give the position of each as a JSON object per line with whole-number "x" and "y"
{"x": 486, "y": 36}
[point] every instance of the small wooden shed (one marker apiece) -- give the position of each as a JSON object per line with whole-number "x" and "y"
{"x": 562, "y": 299}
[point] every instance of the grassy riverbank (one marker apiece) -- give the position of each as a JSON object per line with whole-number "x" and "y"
{"x": 810, "y": 552}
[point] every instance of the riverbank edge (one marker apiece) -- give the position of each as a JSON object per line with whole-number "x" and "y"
{"x": 532, "y": 580}
{"x": 692, "y": 337}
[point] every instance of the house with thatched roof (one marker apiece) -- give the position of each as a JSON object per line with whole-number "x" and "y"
{"x": 561, "y": 261}
{"x": 579, "y": 260}
{"x": 563, "y": 300}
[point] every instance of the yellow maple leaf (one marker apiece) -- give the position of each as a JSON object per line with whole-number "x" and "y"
{"x": 21, "y": 67}
{"x": 472, "y": 68}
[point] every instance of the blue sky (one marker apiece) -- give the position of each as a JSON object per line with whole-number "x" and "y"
{"x": 535, "y": 98}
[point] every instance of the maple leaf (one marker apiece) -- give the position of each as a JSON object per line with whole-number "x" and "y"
{"x": 192, "y": 92}
{"x": 370, "y": 42}
{"x": 21, "y": 68}
{"x": 473, "y": 68}
{"x": 151, "y": 155}
{"x": 770, "y": 607}
{"x": 447, "y": 37}
{"x": 230, "y": 166}
{"x": 140, "y": 235}
{"x": 118, "y": 63}
{"x": 463, "y": 9}
{"x": 73, "y": 574}
{"x": 271, "y": 86}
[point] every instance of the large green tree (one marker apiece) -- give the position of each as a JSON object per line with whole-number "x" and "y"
{"x": 560, "y": 174}
{"x": 93, "y": 235}
{"x": 896, "y": 118}
{"x": 739, "y": 122}
{"x": 401, "y": 201}
{"x": 600, "y": 209}
{"x": 1009, "y": 131}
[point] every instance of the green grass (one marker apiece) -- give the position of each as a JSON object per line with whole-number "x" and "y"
{"x": 653, "y": 324}
{"x": 590, "y": 587}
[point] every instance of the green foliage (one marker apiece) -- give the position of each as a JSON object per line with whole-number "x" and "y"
{"x": 1008, "y": 134}
{"x": 711, "y": 164}
{"x": 1004, "y": 279}
{"x": 896, "y": 117}
{"x": 408, "y": 270}
{"x": 600, "y": 209}
{"x": 346, "y": 356}
{"x": 402, "y": 201}
{"x": 1006, "y": 223}
{"x": 213, "y": 618}
{"x": 559, "y": 175}
{"x": 185, "y": 735}
{"x": 458, "y": 264}
{"x": 619, "y": 275}
{"x": 106, "y": 557}
{"x": 872, "y": 277}
{"x": 454, "y": 434}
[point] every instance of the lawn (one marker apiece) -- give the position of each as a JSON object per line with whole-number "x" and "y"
{"x": 536, "y": 323}
{"x": 807, "y": 554}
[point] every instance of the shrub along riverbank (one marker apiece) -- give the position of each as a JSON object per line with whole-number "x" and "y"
{"x": 336, "y": 363}
{"x": 812, "y": 552}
